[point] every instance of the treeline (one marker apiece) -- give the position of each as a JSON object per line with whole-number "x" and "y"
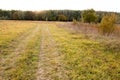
{"x": 49, "y": 15}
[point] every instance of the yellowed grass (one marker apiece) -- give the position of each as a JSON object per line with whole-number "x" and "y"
{"x": 58, "y": 53}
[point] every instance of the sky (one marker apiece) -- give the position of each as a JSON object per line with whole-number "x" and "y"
{"x": 37, "y": 5}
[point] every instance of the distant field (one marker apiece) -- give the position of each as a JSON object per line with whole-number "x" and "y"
{"x": 34, "y": 50}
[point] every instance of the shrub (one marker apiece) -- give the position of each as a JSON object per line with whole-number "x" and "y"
{"x": 107, "y": 25}
{"x": 74, "y": 21}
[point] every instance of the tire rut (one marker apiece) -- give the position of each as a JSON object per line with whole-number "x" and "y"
{"x": 49, "y": 67}
{"x": 9, "y": 61}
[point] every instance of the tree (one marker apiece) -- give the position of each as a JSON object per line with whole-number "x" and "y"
{"x": 89, "y": 16}
{"x": 15, "y": 16}
{"x": 62, "y": 17}
{"x": 29, "y": 15}
{"x": 107, "y": 25}
{"x": 56, "y": 15}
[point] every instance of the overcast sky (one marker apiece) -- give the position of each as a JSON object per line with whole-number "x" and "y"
{"x": 99, "y": 5}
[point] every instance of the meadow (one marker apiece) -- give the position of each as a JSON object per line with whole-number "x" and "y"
{"x": 36, "y": 50}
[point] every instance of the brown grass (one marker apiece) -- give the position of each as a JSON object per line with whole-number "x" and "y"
{"x": 89, "y": 29}
{"x": 117, "y": 30}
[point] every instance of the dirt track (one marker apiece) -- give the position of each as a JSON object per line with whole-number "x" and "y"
{"x": 49, "y": 63}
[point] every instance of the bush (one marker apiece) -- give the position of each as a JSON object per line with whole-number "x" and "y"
{"x": 74, "y": 21}
{"x": 107, "y": 25}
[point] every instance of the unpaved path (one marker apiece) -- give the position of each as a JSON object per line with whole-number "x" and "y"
{"x": 50, "y": 67}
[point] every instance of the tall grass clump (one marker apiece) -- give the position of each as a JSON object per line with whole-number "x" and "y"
{"x": 74, "y": 22}
{"x": 107, "y": 25}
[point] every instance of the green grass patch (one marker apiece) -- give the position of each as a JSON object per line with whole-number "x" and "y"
{"x": 86, "y": 59}
{"x": 26, "y": 65}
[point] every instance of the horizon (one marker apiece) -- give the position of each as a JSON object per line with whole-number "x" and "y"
{"x": 39, "y": 5}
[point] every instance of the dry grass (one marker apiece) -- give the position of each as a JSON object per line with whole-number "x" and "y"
{"x": 19, "y": 46}
{"x": 117, "y": 30}
{"x": 67, "y": 52}
{"x": 89, "y": 56}
{"x": 89, "y": 29}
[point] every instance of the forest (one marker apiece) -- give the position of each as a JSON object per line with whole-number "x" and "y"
{"x": 50, "y": 15}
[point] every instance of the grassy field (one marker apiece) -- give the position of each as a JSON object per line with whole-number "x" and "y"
{"x": 31, "y": 50}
